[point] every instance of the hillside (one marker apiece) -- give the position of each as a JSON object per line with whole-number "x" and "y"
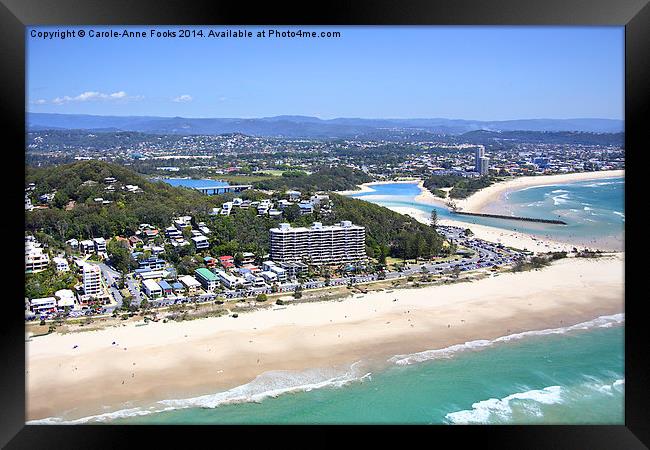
{"x": 310, "y": 127}
{"x": 388, "y": 233}
{"x": 337, "y": 178}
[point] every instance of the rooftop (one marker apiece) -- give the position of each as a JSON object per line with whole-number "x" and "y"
{"x": 206, "y": 274}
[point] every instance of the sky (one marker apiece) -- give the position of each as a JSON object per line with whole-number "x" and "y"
{"x": 475, "y": 73}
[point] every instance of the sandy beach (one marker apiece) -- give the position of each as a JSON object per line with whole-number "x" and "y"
{"x": 508, "y": 238}
{"x": 181, "y": 360}
{"x": 485, "y": 198}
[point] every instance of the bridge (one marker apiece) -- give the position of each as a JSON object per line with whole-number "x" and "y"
{"x": 216, "y": 190}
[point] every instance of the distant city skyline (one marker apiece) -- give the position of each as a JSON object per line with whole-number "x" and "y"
{"x": 473, "y": 73}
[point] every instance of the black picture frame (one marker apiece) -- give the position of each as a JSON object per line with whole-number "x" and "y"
{"x": 15, "y": 15}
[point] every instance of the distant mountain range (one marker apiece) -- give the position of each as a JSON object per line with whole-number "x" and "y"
{"x": 312, "y": 127}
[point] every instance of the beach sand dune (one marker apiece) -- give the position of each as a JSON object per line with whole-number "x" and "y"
{"x": 181, "y": 360}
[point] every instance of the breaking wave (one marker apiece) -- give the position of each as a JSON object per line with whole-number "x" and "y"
{"x": 447, "y": 352}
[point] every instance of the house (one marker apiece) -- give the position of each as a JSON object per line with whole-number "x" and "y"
{"x": 226, "y": 209}
{"x": 61, "y": 264}
{"x": 207, "y": 279}
{"x": 237, "y": 201}
{"x": 293, "y": 195}
{"x": 203, "y": 229}
{"x": 228, "y": 280}
{"x": 182, "y": 222}
{"x": 36, "y": 260}
{"x": 306, "y": 208}
{"x": 173, "y": 233}
{"x": 150, "y": 233}
{"x": 227, "y": 261}
{"x": 151, "y": 263}
{"x": 100, "y": 245}
{"x": 135, "y": 241}
{"x": 274, "y": 213}
{"x": 28, "y": 203}
{"x": 191, "y": 284}
{"x": 43, "y": 305}
{"x": 151, "y": 288}
{"x": 254, "y": 280}
{"x": 65, "y": 298}
{"x": 201, "y": 242}
{"x": 178, "y": 287}
{"x": 317, "y": 199}
{"x": 209, "y": 261}
{"x": 247, "y": 258}
{"x": 215, "y": 211}
{"x": 266, "y": 265}
{"x": 269, "y": 276}
{"x": 86, "y": 246}
{"x": 279, "y": 272}
{"x": 252, "y": 268}
{"x": 166, "y": 288}
{"x": 73, "y": 244}
{"x": 148, "y": 274}
{"x": 294, "y": 269}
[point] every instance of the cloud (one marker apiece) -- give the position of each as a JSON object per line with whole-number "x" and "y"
{"x": 40, "y": 101}
{"x": 94, "y": 95}
{"x": 183, "y": 98}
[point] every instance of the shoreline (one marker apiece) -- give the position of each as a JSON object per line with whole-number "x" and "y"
{"x": 481, "y": 200}
{"x": 366, "y": 187}
{"x": 189, "y": 359}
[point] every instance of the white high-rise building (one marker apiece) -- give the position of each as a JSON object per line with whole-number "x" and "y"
{"x": 318, "y": 244}
{"x": 92, "y": 280}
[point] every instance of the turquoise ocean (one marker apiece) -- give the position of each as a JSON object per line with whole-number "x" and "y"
{"x": 594, "y": 210}
{"x": 572, "y": 375}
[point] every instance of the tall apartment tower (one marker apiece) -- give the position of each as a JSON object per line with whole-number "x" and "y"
{"x": 318, "y": 244}
{"x": 92, "y": 279}
{"x": 478, "y": 154}
{"x": 483, "y": 165}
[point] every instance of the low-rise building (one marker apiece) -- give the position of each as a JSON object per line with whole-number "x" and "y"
{"x": 151, "y": 288}
{"x": 61, "y": 264}
{"x": 227, "y": 261}
{"x": 269, "y": 276}
{"x": 86, "y": 246}
{"x": 100, "y": 245}
{"x": 166, "y": 288}
{"x": 65, "y": 298}
{"x": 228, "y": 280}
{"x": 207, "y": 279}
{"x": 43, "y": 305}
{"x": 247, "y": 258}
{"x": 200, "y": 242}
{"x": 36, "y": 260}
{"x": 191, "y": 284}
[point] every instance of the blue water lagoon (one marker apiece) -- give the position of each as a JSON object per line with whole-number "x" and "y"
{"x": 594, "y": 211}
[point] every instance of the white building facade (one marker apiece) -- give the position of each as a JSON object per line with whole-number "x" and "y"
{"x": 318, "y": 244}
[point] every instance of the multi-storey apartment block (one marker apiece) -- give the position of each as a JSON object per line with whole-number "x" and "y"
{"x": 318, "y": 244}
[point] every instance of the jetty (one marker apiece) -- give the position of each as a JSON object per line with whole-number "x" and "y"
{"x": 500, "y": 216}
